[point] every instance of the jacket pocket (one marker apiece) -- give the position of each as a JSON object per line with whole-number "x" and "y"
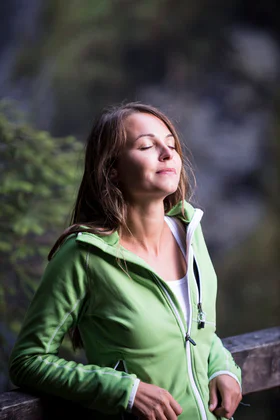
{"x": 121, "y": 366}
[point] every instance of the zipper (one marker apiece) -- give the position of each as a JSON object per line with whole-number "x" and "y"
{"x": 186, "y": 336}
{"x": 201, "y": 316}
{"x": 196, "y": 273}
{"x": 191, "y": 229}
{"x": 188, "y": 350}
{"x": 175, "y": 310}
{"x": 189, "y": 256}
{"x": 188, "y": 340}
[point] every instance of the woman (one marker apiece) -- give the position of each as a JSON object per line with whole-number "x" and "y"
{"x": 133, "y": 279}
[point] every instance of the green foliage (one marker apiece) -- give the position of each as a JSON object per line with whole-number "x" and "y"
{"x": 40, "y": 175}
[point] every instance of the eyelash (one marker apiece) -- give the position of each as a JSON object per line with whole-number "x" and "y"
{"x": 149, "y": 147}
{"x": 145, "y": 148}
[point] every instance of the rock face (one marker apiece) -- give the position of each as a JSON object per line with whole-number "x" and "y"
{"x": 226, "y": 125}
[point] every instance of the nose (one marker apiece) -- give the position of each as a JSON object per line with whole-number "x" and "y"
{"x": 166, "y": 153}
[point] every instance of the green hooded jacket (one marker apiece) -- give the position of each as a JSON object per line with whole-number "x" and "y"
{"x": 131, "y": 325}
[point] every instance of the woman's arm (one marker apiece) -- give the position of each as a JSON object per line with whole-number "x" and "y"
{"x": 221, "y": 361}
{"x": 56, "y": 307}
{"x": 224, "y": 380}
{"x": 225, "y": 395}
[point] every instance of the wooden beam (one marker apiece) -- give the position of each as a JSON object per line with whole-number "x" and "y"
{"x": 15, "y": 405}
{"x": 21, "y": 405}
{"x": 258, "y": 355}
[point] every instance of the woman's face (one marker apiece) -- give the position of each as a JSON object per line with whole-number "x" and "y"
{"x": 149, "y": 167}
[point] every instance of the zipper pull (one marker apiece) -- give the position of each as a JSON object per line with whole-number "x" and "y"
{"x": 201, "y": 316}
{"x": 188, "y": 338}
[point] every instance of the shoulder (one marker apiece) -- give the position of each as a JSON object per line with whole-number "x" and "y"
{"x": 70, "y": 255}
{"x": 70, "y": 245}
{"x": 85, "y": 250}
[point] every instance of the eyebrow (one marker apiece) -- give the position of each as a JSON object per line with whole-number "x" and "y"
{"x": 152, "y": 135}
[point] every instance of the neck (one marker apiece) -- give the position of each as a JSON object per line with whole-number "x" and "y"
{"x": 145, "y": 227}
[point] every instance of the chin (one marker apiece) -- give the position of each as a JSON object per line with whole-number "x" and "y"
{"x": 169, "y": 191}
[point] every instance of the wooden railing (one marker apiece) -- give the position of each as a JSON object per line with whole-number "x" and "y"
{"x": 257, "y": 353}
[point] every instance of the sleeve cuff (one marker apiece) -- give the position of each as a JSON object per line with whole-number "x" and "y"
{"x": 225, "y": 372}
{"x": 132, "y": 395}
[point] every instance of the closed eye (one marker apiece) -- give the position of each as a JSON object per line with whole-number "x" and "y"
{"x": 145, "y": 147}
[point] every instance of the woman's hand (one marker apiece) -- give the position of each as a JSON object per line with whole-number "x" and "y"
{"x": 225, "y": 396}
{"x": 154, "y": 403}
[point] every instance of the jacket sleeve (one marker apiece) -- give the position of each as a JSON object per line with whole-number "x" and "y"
{"x": 221, "y": 362}
{"x": 56, "y": 307}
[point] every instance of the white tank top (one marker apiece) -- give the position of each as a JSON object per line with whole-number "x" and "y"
{"x": 179, "y": 287}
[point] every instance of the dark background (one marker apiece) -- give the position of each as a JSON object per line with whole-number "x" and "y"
{"x": 213, "y": 67}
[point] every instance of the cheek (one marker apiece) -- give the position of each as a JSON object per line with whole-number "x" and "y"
{"x": 130, "y": 171}
{"x": 132, "y": 165}
{"x": 178, "y": 163}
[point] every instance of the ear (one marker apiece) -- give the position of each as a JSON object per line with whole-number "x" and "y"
{"x": 114, "y": 174}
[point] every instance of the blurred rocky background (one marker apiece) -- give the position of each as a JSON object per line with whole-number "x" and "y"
{"x": 213, "y": 67}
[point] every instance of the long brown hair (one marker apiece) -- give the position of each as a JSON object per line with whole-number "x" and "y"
{"x": 100, "y": 207}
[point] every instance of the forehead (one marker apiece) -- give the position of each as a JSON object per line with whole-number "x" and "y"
{"x": 144, "y": 123}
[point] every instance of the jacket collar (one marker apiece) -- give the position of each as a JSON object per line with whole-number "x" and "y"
{"x": 186, "y": 215}
{"x": 108, "y": 242}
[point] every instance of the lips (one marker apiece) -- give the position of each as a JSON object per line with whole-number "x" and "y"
{"x": 167, "y": 171}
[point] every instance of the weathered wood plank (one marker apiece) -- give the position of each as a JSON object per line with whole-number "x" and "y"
{"x": 20, "y": 405}
{"x": 258, "y": 355}
{"x": 16, "y": 405}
